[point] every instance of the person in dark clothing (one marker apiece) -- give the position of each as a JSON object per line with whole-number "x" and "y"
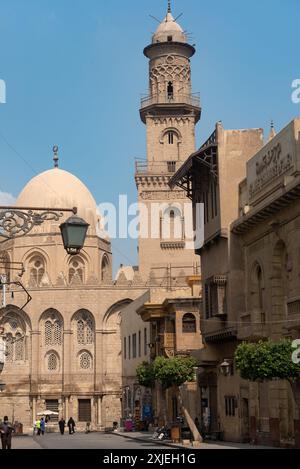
{"x": 6, "y": 430}
{"x": 71, "y": 425}
{"x": 62, "y": 424}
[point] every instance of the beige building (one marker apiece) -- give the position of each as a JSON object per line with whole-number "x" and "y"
{"x": 170, "y": 112}
{"x": 64, "y": 349}
{"x": 250, "y": 278}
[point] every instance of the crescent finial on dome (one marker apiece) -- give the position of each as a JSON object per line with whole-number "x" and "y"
{"x": 55, "y": 157}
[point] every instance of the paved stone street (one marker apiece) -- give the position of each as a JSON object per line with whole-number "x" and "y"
{"x": 109, "y": 441}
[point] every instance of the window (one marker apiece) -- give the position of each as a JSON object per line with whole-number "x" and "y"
{"x": 5, "y": 261}
{"x": 189, "y": 323}
{"x": 140, "y": 344}
{"x": 170, "y": 90}
{"x": 76, "y": 270}
{"x": 171, "y": 166}
{"x": 134, "y": 346}
{"x": 84, "y": 410}
{"x": 9, "y": 348}
{"x": 215, "y": 296}
{"x": 170, "y": 38}
{"x": 37, "y": 270}
{"x": 230, "y": 406}
{"x": 171, "y": 138}
{"x": 52, "y": 364}
{"x": 145, "y": 342}
{"x": 85, "y": 329}
{"x": 105, "y": 276}
{"x": 125, "y": 349}
{"x": 85, "y": 361}
{"x": 19, "y": 347}
{"x": 129, "y": 347}
{"x": 53, "y": 332}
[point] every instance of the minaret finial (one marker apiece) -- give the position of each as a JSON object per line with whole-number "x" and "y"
{"x": 272, "y": 133}
{"x": 169, "y": 6}
{"x": 55, "y": 157}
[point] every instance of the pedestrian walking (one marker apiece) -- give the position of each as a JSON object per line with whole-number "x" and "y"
{"x": 6, "y": 430}
{"x": 43, "y": 426}
{"x": 38, "y": 427}
{"x": 71, "y": 425}
{"x": 62, "y": 424}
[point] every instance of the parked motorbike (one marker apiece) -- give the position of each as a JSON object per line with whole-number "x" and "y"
{"x": 161, "y": 433}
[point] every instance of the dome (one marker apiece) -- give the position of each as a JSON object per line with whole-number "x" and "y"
{"x": 169, "y": 28}
{"x": 57, "y": 188}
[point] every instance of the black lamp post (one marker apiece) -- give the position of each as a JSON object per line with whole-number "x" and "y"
{"x": 73, "y": 232}
{"x": 19, "y": 222}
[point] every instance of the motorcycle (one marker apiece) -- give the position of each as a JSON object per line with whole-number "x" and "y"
{"x": 161, "y": 434}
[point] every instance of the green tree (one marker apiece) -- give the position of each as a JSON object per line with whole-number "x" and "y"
{"x": 145, "y": 375}
{"x": 174, "y": 371}
{"x": 267, "y": 360}
{"x": 169, "y": 372}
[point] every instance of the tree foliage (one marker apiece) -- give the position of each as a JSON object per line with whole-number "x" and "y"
{"x": 169, "y": 371}
{"x": 267, "y": 360}
{"x": 145, "y": 375}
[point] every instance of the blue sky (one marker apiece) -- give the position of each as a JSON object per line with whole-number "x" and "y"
{"x": 74, "y": 71}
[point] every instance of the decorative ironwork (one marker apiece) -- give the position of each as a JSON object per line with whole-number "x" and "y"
{"x": 18, "y": 222}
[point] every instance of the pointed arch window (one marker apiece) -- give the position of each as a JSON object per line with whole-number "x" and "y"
{"x": 52, "y": 362}
{"x": 105, "y": 268}
{"x": 37, "y": 269}
{"x": 53, "y": 330}
{"x": 76, "y": 269}
{"x": 85, "y": 329}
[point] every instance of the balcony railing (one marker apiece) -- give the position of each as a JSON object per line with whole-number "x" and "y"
{"x": 156, "y": 167}
{"x": 190, "y": 99}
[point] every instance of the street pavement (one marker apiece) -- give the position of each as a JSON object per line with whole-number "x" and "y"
{"x": 127, "y": 441}
{"x": 81, "y": 441}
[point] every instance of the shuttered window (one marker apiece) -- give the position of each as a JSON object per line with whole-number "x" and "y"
{"x": 84, "y": 410}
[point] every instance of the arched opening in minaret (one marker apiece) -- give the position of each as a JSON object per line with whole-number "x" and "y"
{"x": 170, "y": 90}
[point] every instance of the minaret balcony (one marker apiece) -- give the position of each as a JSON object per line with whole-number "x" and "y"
{"x": 191, "y": 102}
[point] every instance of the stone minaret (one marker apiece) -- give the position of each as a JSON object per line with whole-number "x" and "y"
{"x": 170, "y": 112}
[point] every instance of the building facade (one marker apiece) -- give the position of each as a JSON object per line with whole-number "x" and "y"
{"x": 251, "y": 286}
{"x": 66, "y": 349}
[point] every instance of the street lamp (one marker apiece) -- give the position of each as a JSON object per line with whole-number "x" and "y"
{"x": 226, "y": 367}
{"x": 73, "y": 233}
{"x": 16, "y": 222}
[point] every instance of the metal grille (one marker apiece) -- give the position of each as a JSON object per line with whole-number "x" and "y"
{"x": 9, "y": 348}
{"x": 80, "y": 332}
{"x": 48, "y": 333}
{"x": 89, "y": 331}
{"x": 19, "y": 347}
{"x": 84, "y": 410}
{"x": 57, "y": 339}
{"x": 52, "y": 362}
{"x": 85, "y": 361}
